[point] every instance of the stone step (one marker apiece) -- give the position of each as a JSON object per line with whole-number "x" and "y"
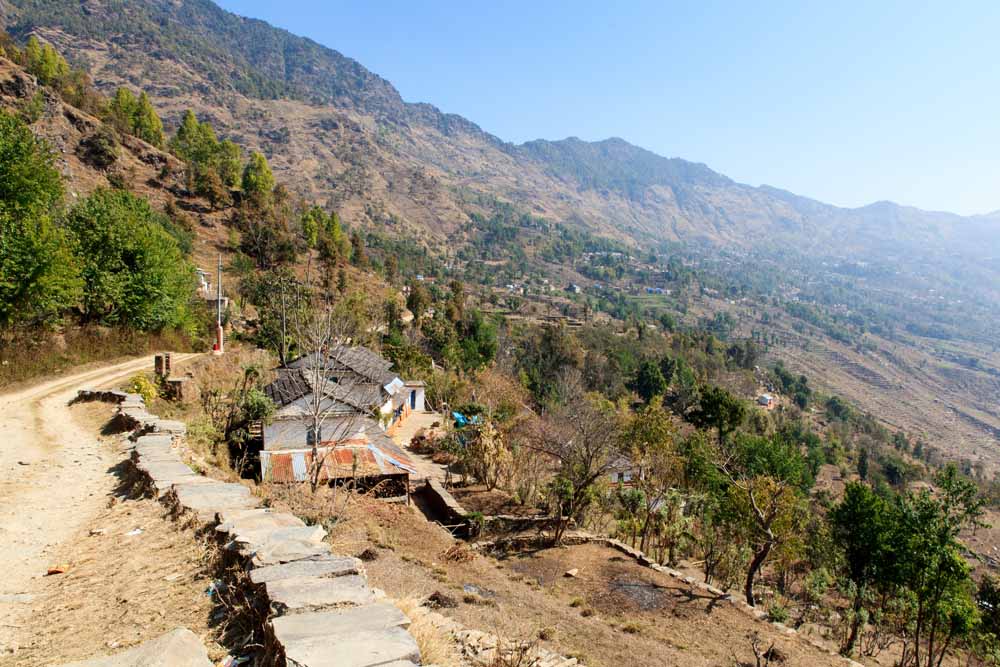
{"x": 324, "y": 566}
{"x": 339, "y": 622}
{"x": 285, "y": 551}
{"x": 166, "y": 473}
{"x": 248, "y": 542}
{"x": 169, "y": 426}
{"x": 297, "y": 594}
{"x": 364, "y": 648}
{"x": 245, "y": 521}
{"x": 206, "y": 500}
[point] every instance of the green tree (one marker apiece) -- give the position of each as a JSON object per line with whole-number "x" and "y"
{"x": 649, "y": 381}
{"x": 861, "y": 527}
{"x": 133, "y": 270}
{"x": 258, "y": 181}
{"x": 655, "y": 464}
{"x": 479, "y": 341}
{"x": 146, "y": 124}
{"x": 39, "y": 276}
{"x": 358, "y": 255}
{"x": 928, "y": 564}
{"x": 763, "y": 479}
{"x": 229, "y": 161}
{"x": 44, "y": 62}
{"x": 863, "y": 464}
{"x": 418, "y": 300}
{"x": 720, "y": 410}
{"x": 543, "y": 356}
{"x": 122, "y": 110}
{"x": 187, "y": 143}
{"x": 312, "y": 221}
{"x": 391, "y": 270}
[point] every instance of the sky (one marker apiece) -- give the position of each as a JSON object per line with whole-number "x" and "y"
{"x": 846, "y": 103}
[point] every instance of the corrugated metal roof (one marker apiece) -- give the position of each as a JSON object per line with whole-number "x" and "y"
{"x": 339, "y": 462}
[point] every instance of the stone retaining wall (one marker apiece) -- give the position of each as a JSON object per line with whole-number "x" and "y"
{"x": 443, "y": 503}
{"x": 321, "y": 612}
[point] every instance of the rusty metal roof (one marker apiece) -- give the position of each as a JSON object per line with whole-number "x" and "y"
{"x": 337, "y": 462}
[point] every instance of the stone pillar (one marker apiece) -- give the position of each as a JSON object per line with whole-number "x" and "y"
{"x": 161, "y": 365}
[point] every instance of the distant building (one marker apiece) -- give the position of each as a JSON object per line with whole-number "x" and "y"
{"x": 573, "y": 288}
{"x": 766, "y": 401}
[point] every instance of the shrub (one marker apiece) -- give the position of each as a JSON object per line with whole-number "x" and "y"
{"x": 777, "y": 613}
{"x": 142, "y": 385}
{"x": 99, "y": 149}
{"x": 631, "y": 628}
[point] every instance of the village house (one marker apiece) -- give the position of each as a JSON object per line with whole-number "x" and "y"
{"x": 766, "y": 401}
{"x": 365, "y": 401}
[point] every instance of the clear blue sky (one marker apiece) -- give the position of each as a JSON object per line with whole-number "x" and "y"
{"x": 847, "y": 104}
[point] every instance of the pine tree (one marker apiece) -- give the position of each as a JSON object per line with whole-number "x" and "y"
{"x": 184, "y": 138}
{"x": 358, "y": 255}
{"x": 229, "y": 163}
{"x": 146, "y": 124}
{"x": 44, "y": 62}
{"x": 258, "y": 181}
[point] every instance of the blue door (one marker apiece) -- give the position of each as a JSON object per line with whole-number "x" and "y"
{"x": 413, "y": 399}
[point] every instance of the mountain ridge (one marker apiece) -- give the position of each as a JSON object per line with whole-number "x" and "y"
{"x": 344, "y": 134}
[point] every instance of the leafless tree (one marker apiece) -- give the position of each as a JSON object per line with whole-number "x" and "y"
{"x": 343, "y": 393}
{"x": 582, "y": 436}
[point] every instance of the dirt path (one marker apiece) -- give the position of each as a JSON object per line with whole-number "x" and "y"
{"x": 54, "y": 478}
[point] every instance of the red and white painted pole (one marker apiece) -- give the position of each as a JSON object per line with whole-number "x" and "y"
{"x": 219, "y": 346}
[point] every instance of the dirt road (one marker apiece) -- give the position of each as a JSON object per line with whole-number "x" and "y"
{"x": 54, "y": 477}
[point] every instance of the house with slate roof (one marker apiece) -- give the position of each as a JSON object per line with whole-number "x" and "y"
{"x": 363, "y": 402}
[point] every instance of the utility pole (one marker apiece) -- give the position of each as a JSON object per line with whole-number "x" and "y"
{"x": 219, "y": 343}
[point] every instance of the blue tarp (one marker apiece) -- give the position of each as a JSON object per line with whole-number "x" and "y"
{"x": 462, "y": 421}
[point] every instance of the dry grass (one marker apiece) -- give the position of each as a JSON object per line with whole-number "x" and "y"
{"x": 436, "y": 645}
{"x": 587, "y": 614}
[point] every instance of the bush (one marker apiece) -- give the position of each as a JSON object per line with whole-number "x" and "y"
{"x": 777, "y": 613}
{"x": 142, "y": 385}
{"x": 99, "y": 149}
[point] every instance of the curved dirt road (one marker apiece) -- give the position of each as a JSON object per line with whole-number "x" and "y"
{"x": 54, "y": 476}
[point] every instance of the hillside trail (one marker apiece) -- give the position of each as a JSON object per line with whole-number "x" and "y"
{"x": 55, "y": 475}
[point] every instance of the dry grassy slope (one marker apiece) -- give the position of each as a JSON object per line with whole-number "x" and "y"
{"x": 411, "y": 174}
{"x": 139, "y": 163}
{"x": 375, "y": 157}
{"x": 908, "y": 387}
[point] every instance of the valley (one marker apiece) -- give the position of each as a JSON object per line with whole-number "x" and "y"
{"x": 584, "y": 404}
